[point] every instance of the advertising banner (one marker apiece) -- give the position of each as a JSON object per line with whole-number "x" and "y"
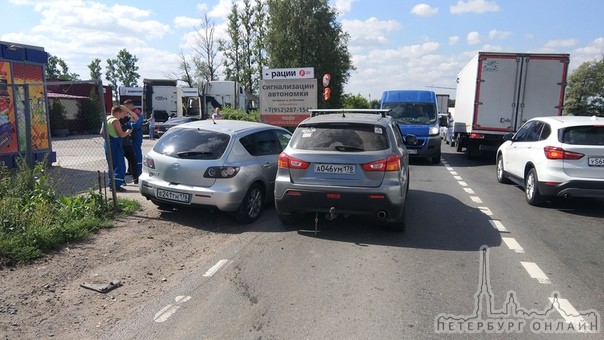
{"x": 31, "y": 74}
{"x": 8, "y": 121}
{"x": 285, "y": 102}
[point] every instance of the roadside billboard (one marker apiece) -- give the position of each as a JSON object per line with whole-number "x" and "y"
{"x": 285, "y": 102}
{"x": 288, "y": 73}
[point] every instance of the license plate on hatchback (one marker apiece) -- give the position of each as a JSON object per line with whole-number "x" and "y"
{"x": 347, "y": 169}
{"x": 173, "y": 196}
{"x": 595, "y": 161}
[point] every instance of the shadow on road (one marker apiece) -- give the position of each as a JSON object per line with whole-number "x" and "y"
{"x": 434, "y": 221}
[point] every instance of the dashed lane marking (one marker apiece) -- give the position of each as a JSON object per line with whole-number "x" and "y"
{"x": 216, "y": 268}
{"x": 499, "y": 226}
{"x": 535, "y": 272}
{"x": 476, "y": 199}
{"x": 569, "y": 313}
{"x": 513, "y": 244}
{"x": 166, "y": 312}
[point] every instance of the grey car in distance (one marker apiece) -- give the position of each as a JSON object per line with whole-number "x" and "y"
{"x": 345, "y": 162}
{"x": 227, "y": 164}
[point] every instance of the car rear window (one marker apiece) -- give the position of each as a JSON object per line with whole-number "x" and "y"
{"x": 192, "y": 144}
{"x": 583, "y": 135}
{"x": 340, "y": 137}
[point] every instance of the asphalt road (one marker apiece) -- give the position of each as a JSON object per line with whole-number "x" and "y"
{"x": 540, "y": 273}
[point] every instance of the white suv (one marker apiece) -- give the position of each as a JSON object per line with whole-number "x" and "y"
{"x": 555, "y": 156}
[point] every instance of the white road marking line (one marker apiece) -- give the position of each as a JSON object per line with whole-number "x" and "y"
{"x": 513, "y": 244}
{"x": 462, "y": 183}
{"x": 499, "y": 226}
{"x": 454, "y": 173}
{"x": 458, "y": 178}
{"x": 215, "y": 268}
{"x": 536, "y": 273}
{"x": 569, "y": 313}
{"x": 486, "y": 211}
{"x": 449, "y": 168}
{"x": 469, "y": 190}
{"x": 476, "y": 199}
{"x": 166, "y": 312}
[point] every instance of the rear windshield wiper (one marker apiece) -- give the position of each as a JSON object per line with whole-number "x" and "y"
{"x": 194, "y": 154}
{"x": 348, "y": 148}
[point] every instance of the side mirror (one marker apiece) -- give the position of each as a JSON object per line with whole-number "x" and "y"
{"x": 443, "y": 121}
{"x": 507, "y": 137}
{"x": 410, "y": 139}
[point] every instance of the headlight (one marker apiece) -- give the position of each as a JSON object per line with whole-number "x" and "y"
{"x": 435, "y": 130}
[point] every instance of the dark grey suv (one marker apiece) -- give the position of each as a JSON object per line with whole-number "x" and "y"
{"x": 344, "y": 162}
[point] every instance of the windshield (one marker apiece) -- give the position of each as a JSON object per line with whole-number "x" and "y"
{"x": 412, "y": 113}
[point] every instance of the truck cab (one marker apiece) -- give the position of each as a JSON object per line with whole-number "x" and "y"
{"x": 416, "y": 114}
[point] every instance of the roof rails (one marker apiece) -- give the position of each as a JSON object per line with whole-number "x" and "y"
{"x": 316, "y": 112}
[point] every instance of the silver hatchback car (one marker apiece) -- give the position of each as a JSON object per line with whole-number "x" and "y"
{"x": 345, "y": 162}
{"x": 227, "y": 164}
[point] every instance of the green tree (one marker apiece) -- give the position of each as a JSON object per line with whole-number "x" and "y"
{"x": 56, "y": 68}
{"x": 206, "y": 49}
{"x": 231, "y": 48}
{"x": 350, "y": 101}
{"x": 95, "y": 69}
{"x": 305, "y": 33}
{"x": 122, "y": 71}
{"x": 585, "y": 96}
{"x": 259, "y": 48}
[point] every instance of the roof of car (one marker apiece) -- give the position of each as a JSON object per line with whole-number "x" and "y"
{"x": 572, "y": 120}
{"x": 227, "y": 126}
{"x": 348, "y": 116}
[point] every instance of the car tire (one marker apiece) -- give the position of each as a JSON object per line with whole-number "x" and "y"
{"x": 251, "y": 206}
{"x": 502, "y": 177}
{"x": 531, "y": 189}
{"x": 436, "y": 159}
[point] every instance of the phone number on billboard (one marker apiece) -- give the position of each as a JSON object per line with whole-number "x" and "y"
{"x": 288, "y": 109}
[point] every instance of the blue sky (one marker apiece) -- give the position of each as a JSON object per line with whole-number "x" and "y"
{"x": 394, "y": 44}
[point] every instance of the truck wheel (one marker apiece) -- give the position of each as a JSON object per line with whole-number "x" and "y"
{"x": 458, "y": 142}
{"x": 472, "y": 151}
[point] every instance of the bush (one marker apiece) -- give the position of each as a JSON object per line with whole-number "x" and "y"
{"x": 33, "y": 220}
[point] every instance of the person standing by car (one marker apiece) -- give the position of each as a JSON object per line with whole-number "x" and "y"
{"x": 113, "y": 143}
{"x": 136, "y": 123}
{"x": 129, "y": 150}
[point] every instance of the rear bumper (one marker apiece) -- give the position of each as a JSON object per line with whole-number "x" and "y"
{"x": 352, "y": 201}
{"x": 576, "y": 188}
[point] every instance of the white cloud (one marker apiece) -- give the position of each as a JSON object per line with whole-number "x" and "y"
{"x": 187, "y": 22}
{"x": 369, "y": 32}
{"x": 344, "y": 6}
{"x": 473, "y": 38}
{"x": 222, "y": 9}
{"x": 424, "y": 10}
{"x": 560, "y": 43}
{"x": 453, "y": 39}
{"x": 499, "y": 35}
{"x": 474, "y": 6}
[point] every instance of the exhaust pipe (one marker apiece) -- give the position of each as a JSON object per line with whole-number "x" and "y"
{"x": 382, "y": 214}
{"x": 331, "y": 215}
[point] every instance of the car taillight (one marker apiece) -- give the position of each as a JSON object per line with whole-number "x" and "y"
{"x": 221, "y": 172}
{"x": 149, "y": 163}
{"x": 288, "y": 162}
{"x": 553, "y": 152}
{"x": 474, "y": 135}
{"x": 392, "y": 163}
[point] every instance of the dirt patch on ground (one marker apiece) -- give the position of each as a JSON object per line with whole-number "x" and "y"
{"x": 148, "y": 253}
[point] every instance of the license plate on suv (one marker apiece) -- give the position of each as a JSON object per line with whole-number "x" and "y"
{"x": 347, "y": 169}
{"x": 173, "y": 196}
{"x": 595, "y": 161}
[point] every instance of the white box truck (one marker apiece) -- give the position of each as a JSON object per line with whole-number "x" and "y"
{"x": 166, "y": 99}
{"x": 498, "y": 92}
